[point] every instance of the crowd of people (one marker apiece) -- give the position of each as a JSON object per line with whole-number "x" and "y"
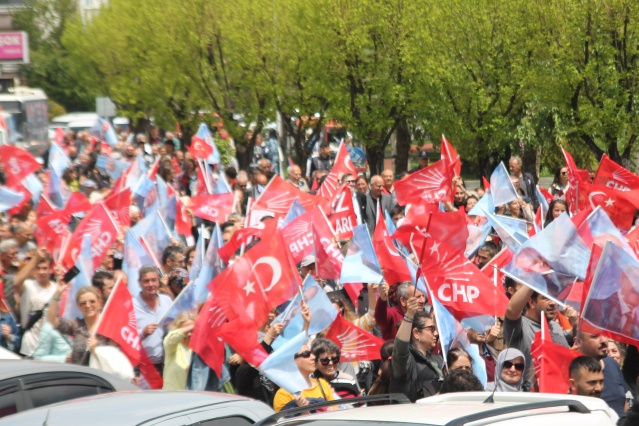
{"x": 34, "y": 287}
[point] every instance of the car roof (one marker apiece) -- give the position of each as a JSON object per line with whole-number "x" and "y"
{"x": 21, "y": 367}
{"x": 132, "y": 407}
{"x": 441, "y": 409}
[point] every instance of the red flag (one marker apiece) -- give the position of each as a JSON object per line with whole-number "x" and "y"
{"x": 547, "y": 195}
{"x": 575, "y": 178}
{"x": 242, "y": 236}
{"x": 500, "y": 260}
{"x": 51, "y": 227}
{"x": 633, "y": 240}
{"x": 486, "y": 183}
{"x": 328, "y": 258}
{"x": 153, "y": 170}
{"x": 45, "y": 207}
{"x": 444, "y": 226}
{"x": 199, "y": 149}
{"x": 257, "y": 282}
{"x": 342, "y": 213}
{"x": 118, "y": 204}
{"x": 18, "y": 186}
{"x": 459, "y": 284}
{"x": 353, "y": 291}
{"x": 343, "y": 165}
{"x": 432, "y": 184}
{"x": 213, "y": 207}
{"x": 204, "y": 184}
{"x": 450, "y": 154}
{"x": 278, "y": 196}
{"x": 298, "y": 234}
{"x": 77, "y": 203}
{"x": 355, "y": 344}
{"x": 103, "y": 231}
{"x": 393, "y": 267}
{"x": 551, "y": 361}
{"x": 205, "y": 339}
{"x": 613, "y": 176}
{"x": 17, "y": 162}
{"x": 620, "y": 210}
{"x": 241, "y": 335}
{"x": 183, "y": 223}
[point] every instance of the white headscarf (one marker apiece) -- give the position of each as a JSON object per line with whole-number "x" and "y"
{"x": 507, "y": 354}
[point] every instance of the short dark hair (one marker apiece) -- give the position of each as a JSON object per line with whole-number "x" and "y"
{"x": 397, "y": 210}
{"x": 345, "y": 177}
{"x": 454, "y": 354}
{"x": 491, "y": 248}
{"x": 321, "y": 346}
{"x": 170, "y": 252}
{"x": 587, "y": 362}
{"x": 226, "y": 225}
{"x": 325, "y": 145}
{"x": 461, "y": 381}
{"x": 230, "y": 172}
{"x": 99, "y": 277}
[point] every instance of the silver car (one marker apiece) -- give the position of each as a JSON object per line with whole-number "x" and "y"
{"x": 28, "y": 384}
{"x": 166, "y": 408}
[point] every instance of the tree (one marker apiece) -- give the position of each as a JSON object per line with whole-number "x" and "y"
{"x": 51, "y": 68}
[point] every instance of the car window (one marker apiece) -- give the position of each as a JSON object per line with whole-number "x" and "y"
{"x": 52, "y": 394}
{"x": 226, "y": 421}
{"x": 8, "y": 404}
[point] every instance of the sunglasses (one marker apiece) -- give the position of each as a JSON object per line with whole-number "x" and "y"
{"x": 519, "y": 366}
{"x": 564, "y": 173}
{"x": 305, "y": 354}
{"x": 430, "y": 328}
{"x": 326, "y": 361}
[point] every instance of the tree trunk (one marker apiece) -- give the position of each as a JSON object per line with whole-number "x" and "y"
{"x": 530, "y": 162}
{"x": 402, "y": 146}
{"x": 375, "y": 157}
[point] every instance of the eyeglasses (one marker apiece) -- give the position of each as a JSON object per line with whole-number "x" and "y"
{"x": 430, "y": 328}
{"x": 326, "y": 361}
{"x": 350, "y": 181}
{"x": 305, "y": 354}
{"x": 519, "y": 366}
{"x": 564, "y": 173}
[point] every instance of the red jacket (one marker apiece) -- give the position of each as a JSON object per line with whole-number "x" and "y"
{"x": 387, "y": 318}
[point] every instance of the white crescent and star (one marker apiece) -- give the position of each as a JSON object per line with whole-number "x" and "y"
{"x": 276, "y": 268}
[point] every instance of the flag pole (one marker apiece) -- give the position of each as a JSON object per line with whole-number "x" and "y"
{"x": 421, "y": 256}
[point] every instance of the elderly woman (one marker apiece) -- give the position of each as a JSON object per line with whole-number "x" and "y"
{"x": 415, "y": 370}
{"x": 509, "y": 372}
{"x": 327, "y": 356}
{"x": 82, "y": 330}
{"x": 177, "y": 354}
{"x": 458, "y": 359}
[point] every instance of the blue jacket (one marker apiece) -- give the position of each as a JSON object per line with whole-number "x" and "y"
{"x": 14, "y": 343}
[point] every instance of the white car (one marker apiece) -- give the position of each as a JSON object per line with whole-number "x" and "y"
{"x": 470, "y": 408}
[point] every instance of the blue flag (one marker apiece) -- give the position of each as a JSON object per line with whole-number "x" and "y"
{"x": 613, "y": 299}
{"x": 220, "y": 185}
{"x": 103, "y": 130}
{"x": 155, "y": 234}
{"x": 476, "y": 238}
{"x": 58, "y": 160}
{"x": 204, "y": 134}
{"x": 508, "y": 229}
{"x": 184, "y": 302}
{"x": 9, "y": 198}
{"x": 412, "y": 269}
{"x": 34, "y": 185}
{"x": 211, "y": 264}
{"x": 84, "y": 263}
{"x": 602, "y": 229}
{"x": 281, "y": 368}
{"x": 360, "y": 263}
{"x": 551, "y": 261}
{"x": 294, "y": 211}
{"x": 501, "y": 188}
{"x": 453, "y": 335}
{"x": 112, "y": 167}
{"x": 135, "y": 256}
{"x": 484, "y": 206}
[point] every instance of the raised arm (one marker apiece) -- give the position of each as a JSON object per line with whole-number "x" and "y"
{"x": 517, "y": 303}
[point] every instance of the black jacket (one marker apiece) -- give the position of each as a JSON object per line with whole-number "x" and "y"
{"x": 412, "y": 373}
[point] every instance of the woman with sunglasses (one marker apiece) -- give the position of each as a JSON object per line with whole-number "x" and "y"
{"x": 509, "y": 372}
{"x": 560, "y": 183}
{"x": 416, "y": 371}
{"x": 327, "y": 356}
{"x": 318, "y": 389}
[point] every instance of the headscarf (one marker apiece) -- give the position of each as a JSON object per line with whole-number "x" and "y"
{"x": 507, "y": 354}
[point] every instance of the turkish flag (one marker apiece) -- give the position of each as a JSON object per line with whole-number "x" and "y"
{"x": 118, "y": 204}
{"x": 214, "y": 207}
{"x": 459, "y": 284}
{"x": 343, "y": 165}
{"x": 241, "y": 335}
{"x": 613, "y": 176}
{"x": 278, "y": 196}
{"x": 183, "y": 223}
{"x": 498, "y": 262}
{"x": 620, "y": 210}
{"x": 450, "y": 154}
{"x": 103, "y": 231}
{"x": 432, "y": 184}
{"x": 258, "y": 281}
{"x": 45, "y": 207}
{"x": 118, "y": 323}
{"x": 444, "y": 226}
{"x": 393, "y": 267}
{"x": 199, "y": 149}
{"x": 551, "y": 361}
{"x": 206, "y": 338}
{"x": 342, "y": 213}
{"x": 355, "y": 343}
{"x": 633, "y": 240}
{"x": 17, "y": 162}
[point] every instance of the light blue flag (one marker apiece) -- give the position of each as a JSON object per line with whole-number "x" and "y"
{"x": 9, "y": 198}
{"x": 220, "y": 185}
{"x": 602, "y": 229}
{"x": 391, "y": 228}
{"x": 212, "y": 265}
{"x": 184, "y": 302}
{"x": 84, "y": 263}
{"x": 137, "y": 169}
{"x": 34, "y": 185}
{"x": 294, "y": 211}
{"x": 280, "y": 366}
{"x": 59, "y": 193}
{"x": 452, "y": 335}
{"x": 58, "y": 160}
{"x": 483, "y": 206}
{"x": 360, "y": 263}
{"x": 551, "y": 261}
{"x": 322, "y": 310}
{"x": 103, "y": 130}
{"x": 112, "y": 167}
{"x": 204, "y": 134}
{"x": 508, "y": 230}
{"x": 501, "y": 188}
{"x": 155, "y": 234}
{"x": 135, "y": 256}
{"x": 412, "y": 269}
{"x": 476, "y": 238}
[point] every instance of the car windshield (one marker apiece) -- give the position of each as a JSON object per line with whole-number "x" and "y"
{"x": 309, "y": 421}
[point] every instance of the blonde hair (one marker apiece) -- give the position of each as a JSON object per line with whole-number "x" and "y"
{"x": 183, "y": 317}
{"x": 88, "y": 289}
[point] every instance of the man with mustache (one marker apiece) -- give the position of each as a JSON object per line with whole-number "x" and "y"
{"x": 614, "y": 387}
